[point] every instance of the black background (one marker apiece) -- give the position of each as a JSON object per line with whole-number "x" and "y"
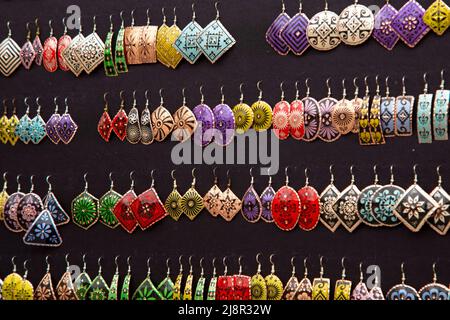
{"x": 250, "y": 60}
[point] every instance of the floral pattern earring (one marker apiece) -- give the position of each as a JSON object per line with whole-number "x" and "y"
{"x": 312, "y": 116}
{"x": 291, "y": 286}
{"x": 310, "y": 206}
{"x": 273, "y": 283}
{"x": 192, "y": 202}
{"x": 402, "y": 291}
{"x": 251, "y": 203}
{"x": 106, "y": 205}
{"x": 50, "y": 126}
{"x": 37, "y": 44}
{"x": 258, "y": 284}
{"x": 434, "y": 290}
{"x": 65, "y": 289}
{"x": 343, "y": 115}
{"x": 266, "y": 201}
{"x": 204, "y": 133}
{"x": 98, "y": 290}
{"x": 82, "y": 282}
{"x": 297, "y": 116}
{"x": 360, "y": 292}
{"x": 280, "y": 117}
{"x": 147, "y": 290}
{"x": 25, "y": 290}
{"x": 262, "y": 112}
{"x": 23, "y": 128}
{"x": 327, "y": 105}
{"x": 120, "y": 120}
{"x": 84, "y": 208}
{"x": 166, "y": 286}
{"x": 184, "y": 121}
{"x": 224, "y": 122}
{"x": 229, "y": 204}
{"x": 29, "y": 207}
{"x": 327, "y": 198}
{"x": 44, "y": 290}
{"x": 10, "y": 209}
{"x": 304, "y": 289}
{"x": 286, "y": 206}
{"x": 242, "y": 284}
{"x": 440, "y": 220}
{"x": 122, "y": 210}
{"x": 50, "y": 58}
{"x": 364, "y": 202}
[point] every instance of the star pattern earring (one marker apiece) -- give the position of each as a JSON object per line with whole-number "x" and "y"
{"x": 440, "y": 219}
{"x": 98, "y": 290}
{"x": 440, "y": 111}
{"x": 343, "y": 115}
{"x": 324, "y": 20}
{"x": 293, "y": 33}
{"x": 229, "y": 204}
{"x": 9, "y": 54}
{"x": 328, "y": 131}
{"x": 211, "y": 200}
{"x": 266, "y": 201}
{"x": 82, "y": 282}
{"x": 343, "y": 286}
{"x": 37, "y": 44}
{"x": 186, "y": 43}
{"x": 133, "y": 130}
{"x": 114, "y": 286}
{"x": 104, "y": 126}
{"x": 162, "y": 121}
{"x": 225, "y": 284}
{"x": 262, "y": 112}
{"x": 280, "y": 117}
{"x": 312, "y": 117}
{"x": 122, "y": 210}
{"x": 187, "y": 293}
{"x": 44, "y": 290}
{"x": 173, "y": 200}
{"x": 27, "y": 53}
{"x": 286, "y": 206}
{"x": 178, "y": 280}
{"x": 10, "y": 209}
{"x": 106, "y": 206}
{"x": 292, "y": 284}
{"x": 423, "y": 116}
{"x": 50, "y": 58}
{"x": 352, "y": 16}
{"x": 108, "y": 59}
{"x": 37, "y": 126}
{"x": 84, "y": 208}
{"x": 166, "y": 286}
{"x": 11, "y": 283}
{"x": 69, "y": 54}
{"x": 364, "y": 202}
{"x": 29, "y": 207}
{"x": 66, "y": 127}
{"x": 50, "y": 126}
{"x": 273, "y": 34}
{"x": 63, "y": 42}
{"x": 184, "y": 121}
{"x": 242, "y": 282}
{"x": 224, "y": 122}
{"x": 90, "y": 51}
{"x": 243, "y": 114}
{"x": 212, "y": 287}
{"x": 204, "y": 132}
{"x": 120, "y": 120}
{"x": 125, "y": 292}
{"x": 310, "y": 206}
{"x": 3, "y": 196}
{"x": 321, "y": 285}
{"x": 192, "y": 202}
{"x": 402, "y": 291}
{"x": 434, "y": 290}
{"x": 200, "y": 287}
{"x": 251, "y": 203}
{"x": 25, "y": 289}
{"x": 146, "y": 123}
{"x": 304, "y": 288}
{"x": 273, "y": 283}
{"x": 65, "y": 289}
{"x": 258, "y": 284}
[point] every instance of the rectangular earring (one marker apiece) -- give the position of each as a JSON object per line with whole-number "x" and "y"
{"x": 387, "y": 113}
{"x": 440, "y": 115}
{"x": 403, "y": 113}
{"x": 424, "y": 105}
{"x": 376, "y": 131}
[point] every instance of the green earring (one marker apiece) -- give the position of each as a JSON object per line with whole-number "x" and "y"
{"x": 113, "y": 288}
{"x": 98, "y": 289}
{"x": 187, "y": 294}
{"x": 125, "y": 293}
{"x": 212, "y": 283}
{"x": 166, "y": 286}
{"x": 200, "y": 288}
{"x": 82, "y": 282}
{"x": 147, "y": 290}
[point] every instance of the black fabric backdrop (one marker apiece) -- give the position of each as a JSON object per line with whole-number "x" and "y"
{"x": 249, "y": 61}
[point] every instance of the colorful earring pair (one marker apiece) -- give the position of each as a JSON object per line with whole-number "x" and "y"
{"x": 17, "y": 287}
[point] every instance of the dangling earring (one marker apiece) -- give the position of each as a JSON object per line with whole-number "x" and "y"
{"x": 243, "y": 114}
{"x": 187, "y": 293}
{"x": 376, "y": 131}
{"x": 120, "y": 60}
{"x": 273, "y": 34}
{"x": 177, "y": 286}
{"x": 262, "y": 112}
{"x": 120, "y": 120}
{"x": 52, "y": 204}
{"x": 63, "y": 42}
{"x": 251, "y": 203}
{"x": 436, "y": 17}
{"x": 258, "y": 284}
{"x": 364, "y": 120}
{"x": 11, "y": 283}
{"x": 147, "y": 49}
{"x": 229, "y": 204}
{"x": 281, "y": 114}
{"x": 122, "y": 209}
{"x": 293, "y": 32}
{"x": 225, "y": 284}
{"x": 376, "y": 293}
{"x": 161, "y": 41}
{"x": 310, "y": 206}
{"x": 27, "y": 53}
{"x": 146, "y": 123}
{"x": 328, "y": 131}
{"x": 211, "y": 200}
{"x": 440, "y": 220}
{"x": 365, "y": 202}
{"x": 9, "y": 54}
{"x": 52, "y": 122}
{"x": 304, "y": 289}
{"x": 200, "y": 287}
{"x": 403, "y": 113}
{"x": 184, "y": 122}
{"x": 383, "y": 31}
{"x": 192, "y": 202}
{"x": 98, "y": 290}
{"x": 343, "y": 115}
{"x": 224, "y": 122}
{"x": 29, "y": 207}
{"x": 440, "y": 111}
{"x": 3, "y": 196}
{"x": 84, "y": 208}
{"x": 10, "y": 209}
{"x": 125, "y": 292}
{"x": 286, "y": 207}
{"x": 133, "y": 126}
{"x": 23, "y": 128}
{"x": 434, "y": 290}
{"x": 402, "y": 291}
{"x": 90, "y": 52}
{"x": 321, "y": 286}
{"x": 106, "y": 205}
{"x": 423, "y": 117}
{"x": 4, "y": 122}
{"x": 147, "y": 290}
{"x": 312, "y": 117}
{"x": 204, "y": 133}
{"x": 360, "y": 292}
{"x": 172, "y": 34}
{"x": 212, "y": 283}
{"x": 297, "y": 116}
{"x": 13, "y": 123}
{"x": 355, "y": 15}
{"x": 327, "y": 198}
{"x": 65, "y": 289}
{"x": 319, "y": 40}
{"x": 162, "y": 121}
{"x": 415, "y": 12}
{"x": 25, "y": 289}
{"x": 387, "y": 112}
{"x": 292, "y": 285}
{"x": 69, "y": 53}
{"x": 82, "y": 282}
{"x": 50, "y": 59}
{"x": 241, "y": 284}
{"x": 273, "y": 283}
{"x": 108, "y": 60}
{"x": 184, "y": 43}
{"x": 37, "y": 45}
{"x": 37, "y": 126}
{"x": 104, "y": 126}
{"x": 342, "y": 287}
{"x": 44, "y": 290}
{"x": 172, "y": 203}
{"x": 114, "y": 286}
{"x": 266, "y": 201}
{"x": 166, "y": 286}
{"x": 356, "y": 105}
{"x": 66, "y": 127}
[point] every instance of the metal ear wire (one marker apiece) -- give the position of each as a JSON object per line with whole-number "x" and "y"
{"x": 153, "y": 179}
{"x": 344, "y": 89}
{"x": 193, "y": 11}
{"x": 134, "y": 98}
{"x": 55, "y": 101}
{"x": 31, "y": 183}
{"x": 415, "y": 173}
{"x": 168, "y": 266}
{"x": 66, "y": 258}
{"x": 190, "y": 265}
{"x": 283, "y": 6}
{"x": 321, "y": 267}
{"x": 222, "y": 94}
{"x": 172, "y": 174}
{"x": 13, "y": 262}
{"x": 18, "y": 182}
{"x": 84, "y": 262}
{"x": 216, "y": 5}
{"x": 149, "y": 270}
{"x": 202, "y": 99}
{"x": 105, "y": 100}
{"x": 66, "y": 104}
{"x": 85, "y": 181}
{"x": 331, "y": 174}
{"x": 438, "y": 171}
{"x": 258, "y": 85}
{"x": 442, "y": 85}
{"x": 241, "y": 98}
{"x": 25, "y": 101}
{"x": 326, "y": 5}
{"x": 367, "y": 85}
{"x": 214, "y": 267}
{"x": 111, "y": 25}
{"x": 180, "y": 263}
{"x": 163, "y": 11}
{"x": 375, "y": 173}
{"x": 48, "y": 263}
{"x": 305, "y": 266}
{"x": 356, "y": 87}
{"x": 5, "y": 107}
{"x": 402, "y": 268}
{"x": 161, "y": 96}
{"x": 240, "y": 264}
{"x": 228, "y": 178}
{"x": 361, "y": 274}
{"x": 147, "y": 13}
{"x": 132, "y": 17}
{"x": 297, "y": 92}
{"x": 36, "y": 23}
{"x": 434, "y": 273}
{"x": 215, "y": 175}
{"x": 99, "y": 262}
{"x": 132, "y": 180}
{"x": 202, "y": 271}
{"x": 146, "y": 98}
{"x": 28, "y": 31}
{"x": 300, "y": 6}
{"x": 392, "y": 174}
{"x": 50, "y": 26}
{"x": 9, "y": 29}
{"x": 387, "y": 86}
{"x": 121, "y": 19}
{"x": 258, "y": 262}
{"x": 174, "y": 15}
{"x": 184, "y": 96}
{"x": 111, "y": 180}
{"x": 282, "y": 91}
{"x": 5, "y": 182}
{"x": 272, "y": 270}
{"x": 25, "y": 275}
{"x": 224, "y": 262}
{"x": 122, "y": 99}
{"x": 403, "y": 86}
{"x": 293, "y": 265}
{"x": 425, "y": 86}
{"x": 13, "y": 101}
{"x": 129, "y": 264}
{"x": 47, "y": 179}
{"x": 286, "y": 174}
{"x": 306, "y": 177}
{"x": 117, "y": 264}
{"x": 270, "y": 177}
{"x": 351, "y": 173}
{"x": 308, "y": 89}
{"x": 252, "y": 179}
{"x": 377, "y": 90}
{"x": 39, "y": 105}
{"x": 81, "y": 26}
{"x": 343, "y": 267}
{"x": 328, "y": 86}
{"x": 94, "y": 28}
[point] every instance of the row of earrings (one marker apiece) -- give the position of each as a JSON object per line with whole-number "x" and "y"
{"x": 220, "y": 287}
{"x": 58, "y": 128}
{"x": 28, "y": 212}
{"x": 355, "y": 25}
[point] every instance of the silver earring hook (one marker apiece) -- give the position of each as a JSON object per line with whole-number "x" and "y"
{"x": 434, "y": 273}
{"x": 18, "y": 182}
{"x": 132, "y": 180}
{"x": 222, "y": 94}
{"x": 202, "y": 271}
{"x": 153, "y": 179}
{"x": 283, "y": 6}
{"x": 83, "y": 257}
{"x": 161, "y": 96}
{"x": 184, "y": 95}
{"x": 352, "y": 175}
{"x": 172, "y": 174}
{"x": 66, "y": 104}
{"x": 99, "y": 263}
{"x": 272, "y": 271}
{"x": 94, "y": 28}
{"x": 344, "y": 89}
{"x": 5, "y": 182}
{"x": 252, "y": 179}
{"x": 13, "y": 262}
{"x": 216, "y": 5}
{"x": 258, "y": 262}
{"x": 356, "y": 87}
{"x": 86, "y": 185}
{"x": 168, "y": 267}
{"x": 48, "y": 263}
{"x": 306, "y": 177}
{"x": 132, "y": 17}
{"x": 308, "y": 89}
{"x": 286, "y": 174}
{"x": 403, "y": 86}
{"x": 367, "y": 85}
{"x": 326, "y": 5}
{"x": 174, "y": 15}
{"x": 377, "y": 90}
{"x": 111, "y": 25}
{"x": 146, "y": 98}
{"x": 55, "y": 101}
{"x": 331, "y": 174}
{"x": 38, "y": 30}
{"x": 425, "y": 83}
{"x": 270, "y": 177}
{"x": 305, "y": 260}
{"x": 147, "y": 13}
{"x": 240, "y": 264}
{"x": 129, "y": 264}
{"x": 402, "y": 269}
{"x": 27, "y": 26}
{"x": 321, "y": 267}
{"x": 224, "y": 262}
{"x": 163, "y": 11}
{"x": 392, "y": 174}
{"x": 215, "y": 175}
{"x": 9, "y": 29}
{"x": 282, "y": 91}
{"x": 293, "y": 265}
{"x": 25, "y": 268}
{"x": 297, "y": 92}
{"x": 241, "y": 98}
{"x": 202, "y": 97}
{"x": 438, "y": 171}
{"x": 387, "y": 86}
{"x": 180, "y": 263}
{"x": 258, "y": 85}
{"x": 31, "y": 183}
{"x": 47, "y": 179}
{"x": 343, "y": 268}
{"x": 39, "y": 106}
{"x": 329, "y": 87}
{"x": 442, "y": 85}
{"x": 193, "y": 11}
{"x": 375, "y": 174}
{"x": 134, "y": 98}
{"x": 190, "y": 264}
{"x": 361, "y": 274}
{"x": 25, "y": 101}
{"x": 66, "y": 258}
{"x": 121, "y": 19}
{"x": 415, "y": 173}
{"x": 117, "y": 264}
{"x": 149, "y": 270}
{"x": 111, "y": 180}
{"x": 300, "y": 6}
{"x": 228, "y": 179}
{"x": 214, "y": 266}
{"x": 193, "y": 177}
{"x": 80, "y": 30}
{"x": 105, "y": 95}
{"x": 51, "y": 28}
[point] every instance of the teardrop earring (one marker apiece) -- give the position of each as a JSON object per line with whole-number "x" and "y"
{"x": 178, "y": 282}
{"x": 106, "y": 206}
{"x": 108, "y": 60}
{"x": 273, "y": 37}
{"x": 166, "y": 286}
{"x": 229, "y": 204}
{"x": 172, "y": 203}
{"x": 37, "y": 126}
{"x": 122, "y": 210}
{"x": 251, "y": 203}
{"x": 90, "y": 52}
{"x": 125, "y": 292}
{"x": 25, "y": 290}
{"x": 12, "y": 125}
{"x": 192, "y": 202}
{"x": 133, "y": 127}
{"x": 50, "y": 59}
{"x": 440, "y": 220}
{"x": 98, "y": 290}
{"x": 184, "y": 122}
{"x": 319, "y": 40}
{"x": 3, "y": 196}
{"x": 120, "y": 120}
{"x": 69, "y": 54}
{"x": 312, "y": 116}
{"x": 120, "y": 60}
{"x": 310, "y": 206}
{"x": 321, "y": 285}
{"x": 187, "y": 293}
{"x": 52, "y": 122}
{"x": 146, "y": 123}
{"x": 258, "y": 284}
{"x": 104, "y": 126}
{"x": 147, "y": 290}
{"x": 44, "y": 290}
{"x": 364, "y": 202}
{"x": 27, "y": 53}
{"x": 343, "y": 115}
{"x": 66, "y": 127}
{"x": 114, "y": 286}
{"x": 360, "y": 292}
{"x": 243, "y": 114}
{"x": 327, "y": 198}
{"x": 82, "y": 282}
{"x": 10, "y": 209}
{"x": 266, "y": 201}
{"x": 84, "y": 208}
{"x": 241, "y": 284}
{"x": 204, "y": 132}
{"x": 402, "y": 291}
{"x": 162, "y": 121}
{"x": 327, "y": 105}
{"x": 225, "y": 284}
{"x": 297, "y": 116}
{"x": 280, "y": 117}
{"x": 423, "y": 117}
{"x": 304, "y": 289}
{"x": 273, "y": 283}
{"x": 29, "y": 207}
{"x": 434, "y": 290}
{"x": 211, "y": 200}
{"x": 262, "y": 112}
{"x": 37, "y": 44}
{"x": 291, "y": 285}
{"x": 10, "y": 54}
{"x": 63, "y": 42}
{"x": 11, "y": 283}
{"x": 343, "y": 286}
{"x": 224, "y": 122}
{"x": 65, "y": 289}
{"x": 212, "y": 287}
{"x": 185, "y": 44}
{"x": 23, "y": 128}
{"x": 286, "y": 206}
{"x": 200, "y": 287}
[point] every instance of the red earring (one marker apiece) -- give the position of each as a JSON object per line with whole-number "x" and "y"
{"x": 310, "y": 207}
{"x": 280, "y": 118}
{"x": 286, "y": 207}
{"x": 122, "y": 209}
{"x": 120, "y": 121}
{"x": 104, "y": 126}
{"x": 225, "y": 284}
{"x": 241, "y": 285}
{"x": 296, "y": 116}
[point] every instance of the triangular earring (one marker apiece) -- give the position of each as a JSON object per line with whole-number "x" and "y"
{"x": 52, "y": 204}
{"x": 125, "y": 292}
{"x": 82, "y": 281}
{"x": 44, "y": 290}
{"x": 98, "y": 290}
{"x": 65, "y": 289}
{"x": 147, "y": 290}
{"x": 166, "y": 286}
{"x": 114, "y": 286}
{"x": 122, "y": 210}
{"x": 304, "y": 289}
{"x": 360, "y": 292}
{"x": 11, "y": 283}
{"x": 84, "y": 208}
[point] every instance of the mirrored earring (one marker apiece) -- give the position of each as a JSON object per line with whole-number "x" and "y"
{"x": 27, "y": 53}
{"x": 108, "y": 58}
{"x": 324, "y": 20}
{"x": 84, "y": 208}
{"x": 114, "y": 286}
{"x": 262, "y": 112}
{"x": 37, "y": 44}
{"x": 365, "y": 202}
{"x": 44, "y": 290}
{"x": 251, "y": 203}
{"x": 98, "y": 290}
{"x": 273, "y": 34}
{"x": 200, "y": 287}
{"x": 10, "y": 209}
{"x": 273, "y": 283}
{"x": 440, "y": 111}
{"x": 286, "y": 206}
{"x": 192, "y": 202}
{"x": 292, "y": 284}
{"x": 172, "y": 203}
{"x": 63, "y": 42}
{"x": 52, "y": 122}
{"x": 434, "y": 290}
{"x": 82, "y": 282}
{"x": 224, "y": 122}
{"x": 204, "y": 133}
{"x": 225, "y": 284}
{"x": 402, "y": 291}
{"x": 37, "y": 126}
{"x": 122, "y": 210}
{"x": 258, "y": 284}
{"x": 166, "y": 286}
{"x": 312, "y": 117}
{"x": 106, "y": 206}
{"x": 26, "y": 289}
{"x": 187, "y": 293}
{"x": 423, "y": 117}
{"x": 146, "y": 124}
{"x": 266, "y": 200}
{"x": 9, "y": 54}
{"x": 440, "y": 220}
{"x": 66, "y": 127}
{"x": 343, "y": 286}
{"x": 69, "y": 53}
{"x": 243, "y": 114}
{"x": 242, "y": 283}
{"x": 343, "y": 115}
{"x": 212, "y": 283}
{"x": 409, "y": 23}
{"x": 328, "y": 131}
{"x": 178, "y": 280}
{"x": 186, "y": 44}
{"x": 229, "y": 204}
{"x": 11, "y": 283}
{"x": 133, "y": 126}
{"x": 29, "y": 207}
{"x": 280, "y": 117}
{"x": 90, "y": 52}
{"x": 50, "y": 58}
{"x": 310, "y": 206}
{"x": 162, "y": 121}
{"x": 65, "y": 289}
{"x": 321, "y": 286}
{"x": 211, "y": 200}
{"x": 352, "y": 16}
{"x": 125, "y": 292}
{"x": 184, "y": 121}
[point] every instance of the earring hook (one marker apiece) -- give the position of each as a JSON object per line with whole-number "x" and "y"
{"x": 129, "y": 264}
{"x": 66, "y": 258}
{"x": 328, "y": 86}
{"x": 132, "y": 180}
{"x": 55, "y": 102}
{"x": 425, "y": 86}
{"x": 39, "y": 105}
{"x": 293, "y": 265}
{"x": 184, "y": 96}
{"x": 202, "y": 99}
{"x": 224, "y": 262}
{"x": 387, "y": 86}
{"x": 252, "y": 179}
{"x": 377, "y": 90}
{"x": 321, "y": 267}
{"x": 282, "y": 91}
{"x": 297, "y": 92}
{"x": 99, "y": 263}
{"x": 367, "y": 85}
{"x": 149, "y": 270}
{"x": 117, "y": 263}
{"x": 216, "y": 5}
{"x": 27, "y": 26}
{"x": 305, "y": 260}
{"x": 331, "y": 173}
{"x": 343, "y": 267}
{"x": 415, "y": 173}
{"x": 31, "y": 183}
{"x": 344, "y": 89}
{"x": 402, "y": 268}
{"x": 147, "y": 13}
{"x": 25, "y": 268}
{"x": 50, "y": 26}
{"x": 193, "y": 11}
{"x": 306, "y": 177}
{"x": 228, "y": 178}
{"x": 132, "y": 17}
{"x": 48, "y": 263}
{"x": 308, "y": 89}
{"x": 391, "y": 168}
{"x": 438, "y": 171}
{"x": 272, "y": 263}
{"x": 146, "y": 98}
{"x": 172, "y": 174}
{"x": 174, "y": 15}
{"x": 403, "y": 86}
{"x": 241, "y": 98}
{"x": 222, "y": 94}
{"x": 5, "y": 182}
{"x": 434, "y": 273}
{"x": 66, "y": 104}
{"x": 122, "y": 99}
{"x": 105, "y": 95}
{"x": 111, "y": 180}
{"x": 214, "y": 266}
{"x": 18, "y": 182}
{"x": 85, "y": 181}
{"x": 351, "y": 173}
{"x": 153, "y": 179}
{"x": 180, "y": 263}
{"x": 240, "y": 264}
{"x": 121, "y": 18}
{"x": 94, "y": 28}
{"x": 111, "y": 25}
{"x": 190, "y": 264}
{"x": 375, "y": 173}
{"x": 13, "y": 262}
{"x": 161, "y": 96}
{"x": 361, "y": 274}
{"x": 442, "y": 80}
{"x": 168, "y": 266}
{"x": 193, "y": 177}
{"x": 258, "y": 262}
{"x": 163, "y": 11}
{"x": 47, "y": 179}
{"x": 202, "y": 271}
{"x": 134, "y": 98}
{"x": 258, "y": 85}
{"x": 25, "y": 101}
{"x": 286, "y": 174}
{"x": 83, "y": 257}
{"x": 36, "y": 23}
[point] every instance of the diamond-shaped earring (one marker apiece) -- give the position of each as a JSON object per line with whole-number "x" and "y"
{"x": 24, "y": 126}
{"x": 9, "y": 54}
{"x": 37, "y": 45}
{"x": 66, "y": 127}
{"x": 50, "y": 126}
{"x": 27, "y": 53}
{"x": 172, "y": 34}
{"x": 104, "y": 126}
{"x": 294, "y": 32}
{"x": 90, "y": 52}
{"x": 440, "y": 219}
{"x": 437, "y": 17}
{"x": 273, "y": 34}
{"x": 69, "y": 53}
{"x": 37, "y": 126}
{"x": 186, "y": 43}
{"x": 383, "y": 31}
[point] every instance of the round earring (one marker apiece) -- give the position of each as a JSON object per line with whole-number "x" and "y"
{"x": 262, "y": 112}
{"x": 352, "y": 16}
{"x": 243, "y": 114}
{"x": 224, "y": 122}
{"x": 317, "y": 38}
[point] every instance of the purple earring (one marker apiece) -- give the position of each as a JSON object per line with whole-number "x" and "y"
{"x": 273, "y": 33}
{"x": 251, "y": 203}
{"x": 224, "y": 122}
{"x": 66, "y": 127}
{"x": 204, "y": 133}
{"x": 50, "y": 126}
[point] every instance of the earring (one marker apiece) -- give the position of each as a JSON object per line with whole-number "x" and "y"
{"x": 44, "y": 290}
{"x": 172, "y": 203}
{"x": 11, "y": 283}
{"x": 166, "y": 287}
{"x": 66, "y": 127}
{"x": 321, "y": 286}
{"x": 328, "y": 131}
{"x": 440, "y": 111}
{"x": 161, "y": 41}
{"x": 104, "y": 126}
{"x": 214, "y": 40}
{"x": 312, "y": 117}
{"x": 25, "y": 290}
{"x": 82, "y": 282}
{"x": 229, "y": 203}
{"x": 436, "y": 17}
{"x": 84, "y": 208}
{"x": 12, "y": 125}
{"x": 27, "y": 53}
{"x": 187, "y": 294}
{"x": 356, "y": 105}
{"x": 286, "y": 207}
{"x": 310, "y": 206}
{"x": 192, "y": 202}
{"x": 162, "y": 121}
{"x": 434, "y": 290}
{"x": 376, "y": 293}
{"x": 37, "y": 126}
{"x": 23, "y": 128}
{"x": 364, "y": 121}
{"x": 147, "y": 48}
{"x": 4, "y": 122}
{"x": 125, "y": 292}
{"x": 90, "y": 51}
{"x": 403, "y": 113}
{"x": 387, "y": 113}
{"x": 177, "y": 287}
{"x": 266, "y": 201}
{"x": 225, "y": 284}
{"x": 204, "y": 132}
{"x": 200, "y": 287}
{"x": 172, "y": 34}
{"x": 63, "y": 42}
{"x": 364, "y": 202}
{"x": 251, "y": 203}
{"x": 360, "y": 292}
{"x": 98, "y": 290}
{"x": 114, "y": 286}
{"x": 258, "y": 284}
{"x": 423, "y": 118}
{"x": 224, "y": 122}
{"x": 147, "y": 290}
{"x": 383, "y": 31}
{"x": 3, "y": 196}
{"x": 355, "y": 15}
{"x": 402, "y": 291}
{"x": 184, "y": 122}
{"x": 273, "y": 34}
{"x": 297, "y": 116}
{"x": 120, "y": 120}
{"x": 186, "y": 44}
{"x": 241, "y": 284}
{"x": 133, "y": 127}
{"x": 106, "y": 206}
{"x": 440, "y": 220}
{"x": 29, "y": 208}
{"x": 50, "y": 59}
{"x": 262, "y": 112}
{"x": 292, "y": 285}
{"x": 65, "y": 289}
{"x": 52, "y": 122}
{"x": 343, "y": 115}
{"x": 212, "y": 283}
{"x": 342, "y": 287}
{"x": 122, "y": 210}
{"x": 131, "y": 39}
{"x": 243, "y": 114}
{"x": 37, "y": 45}
{"x": 146, "y": 124}
{"x": 9, "y": 54}
{"x": 316, "y": 37}
{"x": 108, "y": 58}
{"x": 328, "y": 197}
{"x": 280, "y": 117}
{"x": 273, "y": 283}
{"x": 410, "y": 35}
{"x": 69, "y": 54}
{"x": 10, "y": 209}
{"x": 304, "y": 288}
{"x": 211, "y": 200}
{"x": 293, "y": 33}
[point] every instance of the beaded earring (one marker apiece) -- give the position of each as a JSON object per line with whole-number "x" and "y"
{"x": 146, "y": 123}
{"x": 297, "y": 116}
{"x": 343, "y": 115}
{"x": 84, "y": 208}
{"x": 37, "y": 126}
{"x": 286, "y": 207}
{"x": 63, "y": 42}
{"x": 324, "y": 20}
{"x": 352, "y": 16}
{"x": 186, "y": 42}
{"x": 273, "y": 283}
{"x": 106, "y": 205}
{"x": 69, "y": 53}
{"x": 328, "y": 131}
{"x": 242, "y": 283}
{"x": 184, "y": 121}
{"x": 229, "y": 203}
{"x": 423, "y": 117}
{"x": 114, "y": 286}
{"x": 262, "y": 112}
{"x": 82, "y": 282}
{"x": 224, "y": 122}
{"x": 125, "y": 292}
{"x": 293, "y": 32}
{"x": 343, "y": 286}
{"x": 166, "y": 286}
{"x": 251, "y": 203}
{"x": 66, "y": 127}
{"x": 258, "y": 284}
{"x": 402, "y": 291}
{"x": 133, "y": 130}
{"x": 11, "y": 283}
{"x": 120, "y": 120}
{"x": 411, "y": 11}
{"x": 44, "y": 290}
{"x": 9, "y": 54}
{"x": 3, "y": 196}
{"x": 50, "y": 126}
{"x": 360, "y": 292}
{"x": 310, "y": 206}
{"x": 440, "y": 220}
{"x": 108, "y": 60}
{"x": 192, "y": 202}
{"x": 304, "y": 289}
{"x": 10, "y": 209}
{"x": 312, "y": 117}
{"x": 37, "y": 44}
{"x": 292, "y": 284}
{"x": 434, "y": 290}
{"x": 364, "y": 202}
{"x": 200, "y": 287}
{"x": 280, "y": 117}
{"x": 50, "y": 58}
{"x": 440, "y": 111}
{"x": 27, "y": 53}
{"x": 273, "y": 34}
{"x": 172, "y": 203}
{"x": 98, "y": 290}
{"x": 177, "y": 286}
{"x": 266, "y": 201}
{"x": 90, "y": 51}
{"x": 437, "y": 17}
{"x": 225, "y": 284}
{"x": 25, "y": 289}
{"x": 29, "y": 207}
{"x": 162, "y": 121}
{"x": 65, "y": 289}
{"x": 212, "y": 287}
{"x": 122, "y": 210}
{"x": 243, "y": 114}
{"x": 204, "y": 132}
{"x": 187, "y": 293}
{"x": 383, "y": 31}
{"x": 321, "y": 285}
{"x": 211, "y": 200}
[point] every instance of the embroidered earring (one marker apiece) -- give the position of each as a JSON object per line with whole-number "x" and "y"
{"x": 27, "y": 53}
{"x": 25, "y": 290}
{"x": 343, "y": 115}
{"x": 440, "y": 220}
{"x": 286, "y": 206}
{"x": 4, "y": 122}
{"x": 229, "y": 203}
{"x": 402, "y": 291}
{"x": 273, "y": 34}
{"x": 119, "y": 58}
{"x": 29, "y": 207}
{"x": 434, "y": 290}
{"x": 166, "y": 287}
{"x": 52, "y": 122}
{"x": 312, "y": 117}
{"x": 133, "y": 126}
{"x": 387, "y": 112}
{"x": 146, "y": 123}
{"x": 65, "y": 289}
{"x": 50, "y": 58}
{"x": 69, "y": 54}
{"x": 328, "y": 197}
{"x": 383, "y": 31}
{"x": 200, "y": 287}
{"x": 328, "y": 131}
{"x": 342, "y": 287}
{"x": 122, "y": 210}
{"x": 310, "y": 206}
{"x": 356, "y": 105}
{"x": 297, "y": 116}
{"x": 365, "y": 201}
{"x": 204, "y": 132}
{"x": 355, "y": 24}
{"x": 360, "y": 292}
{"x": 214, "y": 40}
{"x": 376, "y": 131}
{"x": 11, "y": 283}
{"x": 304, "y": 288}
{"x": 266, "y": 201}
{"x": 241, "y": 284}
{"x": 82, "y": 282}
{"x": 63, "y": 42}
{"x": 162, "y": 121}
{"x": 212, "y": 283}
{"x": 84, "y": 208}
{"x": 104, "y": 126}
{"x": 262, "y": 112}
{"x": 192, "y": 202}
{"x": 90, "y": 52}
{"x": 423, "y": 118}
{"x": 120, "y": 120}
{"x": 37, "y": 45}
{"x": 37, "y": 126}
{"x": 224, "y": 122}
{"x": 324, "y": 20}
{"x": 114, "y": 286}
{"x": 161, "y": 41}
{"x": 364, "y": 120}
{"x": 177, "y": 287}
{"x": 273, "y": 283}
{"x": 98, "y": 290}
{"x": 10, "y": 208}
{"x": 243, "y": 114}
{"x": 186, "y": 43}
{"x": 66, "y": 127}
{"x": 184, "y": 121}
{"x": 125, "y": 292}
{"x": 225, "y": 284}
{"x": 376, "y": 293}
{"x": 23, "y": 128}
{"x": 280, "y": 117}
{"x": 106, "y": 205}
{"x": 293, "y": 33}
{"x": 172, "y": 34}
{"x": 3, "y": 196}
{"x": 44, "y": 290}
{"x": 211, "y": 200}
{"x": 147, "y": 207}
{"x": 251, "y": 203}
{"x": 403, "y": 113}
{"x": 321, "y": 285}
{"x": 108, "y": 59}
{"x": 187, "y": 294}
{"x": 292, "y": 285}
{"x": 258, "y": 284}
{"x": 147, "y": 49}
{"x": 440, "y": 111}
{"x": 437, "y": 17}
{"x": 9, "y": 54}
{"x": 172, "y": 203}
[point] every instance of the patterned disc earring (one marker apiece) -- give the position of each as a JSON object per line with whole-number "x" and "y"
{"x": 82, "y": 282}
{"x": 13, "y": 123}
{"x": 9, "y": 54}
{"x": 312, "y": 116}
{"x": 104, "y": 126}
{"x": 162, "y": 121}
{"x": 280, "y": 117}
{"x": 387, "y": 112}
{"x": 65, "y": 289}
{"x": 262, "y": 112}
{"x": 376, "y": 293}
{"x": 90, "y": 51}
{"x": 292, "y": 285}
{"x": 50, "y": 58}
{"x": 356, "y": 105}
{"x": 166, "y": 286}
{"x": 437, "y": 17}
{"x": 440, "y": 111}
{"x": 119, "y": 52}
{"x": 186, "y": 43}
{"x": 37, "y": 126}
{"x": 423, "y": 117}
{"x": 27, "y": 53}
{"x": 364, "y": 202}
{"x": 403, "y": 113}
{"x": 192, "y": 202}
{"x": 98, "y": 290}
{"x": 187, "y": 293}
{"x": 242, "y": 283}
{"x": 434, "y": 290}
{"x": 211, "y": 200}
{"x": 120, "y": 120}
{"x": 177, "y": 286}
{"x": 258, "y": 284}
{"x": 225, "y": 284}
{"x": 24, "y": 126}
{"x": 212, "y": 283}
{"x": 383, "y": 31}
{"x": 360, "y": 292}
{"x": 266, "y": 200}
{"x": 172, "y": 203}
{"x": 251, "y": 203}
{"x": 243, "y": 114}
{"x": 310, "y": 206}
{"x": 69, "y": 53}
{"x": 11, "y": 283}
{"x": 114, "y": 286}
{"x": 25, "y": 290}
{"x": 376, "y": 131}
{"x": 440, "y": 220}
{"x": 106, "y": 206}
{"x": 343, "y": 115}
{"x": 328, "y": 131}
{"x": 317, "y": 38}
{"x": 3, "y": 196}
{"x": 50, "y": 126}
{"x": 200, "y": 287}
{"x": 225, "y": 124}
{"x": 293, "y": 32}
{"x": 328, "y": 196}
{"x": 273, "y": 283}
{"x": 343, "y": 286}
{"x": 204, "y": 132}
{"x": 304, "y": 288}
{"x": 29, "y": 207}
{"x": 44, "y": 290}
{"x": 402, "y": 291}
{"x": 125, "y": 292}
{"x": 184, "y": 121}
{"x": 321, "y": 285}
{"x": 66, "y": 127}
{"x": 297, "y": 116}
{"x": 273, "y": 34}
{"x": 229, "y": 204}
{"x": 10, "y": 208}
{"x": 37, "y": 44}
{"x": 84, "y": 208}
{"x": 63, "y": 42}
{"x": 286, "y": 207}
{"x": 355, "y": 24}
{"x": 133, "y": 130}
{"x": 108, "y": 58}
{"x": 146, "y": 123}
{"x": 122, "y": 210}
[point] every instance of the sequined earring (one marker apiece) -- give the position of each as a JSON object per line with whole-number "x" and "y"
{"x": 297, "y": 116}
{"x": 434, "y": 290}
{"x": 355, "y": 15}
{"x": 200, "y": 287}
{"x": 69, "y": 53}
{"x": 13, "y": 123}
{"x": 25, "y": 289}
{"x": 186, "y": 42}
{"x": 108, "y": 57}
{"x": 66, "y": 127}
{"x": 327, "y": 198}
{"x": 133, "y": 129}
{"x": 286, "y": 206}
{"x": 280, "y": 117}
{"x": 224, "y": 122}
{"x": 273, "y": 283}
{"x": 104, "y": 126}
{"x": 423, "y": 117}
{"x": 343, "y": 287}
{"x": 187, "y": 293}
{"x": 27, "y": 53}
{"x": 312, "y": 116}
{"x": 293, "y": 33}
{"x": 98, "y": 290}
{"x": 292, "y": 284}
{"x": 119, "y": 58}
{"x": 146, "y": 123}
{"x": 251, "y": 203}
{"x": 65, "y": 289}
{"x": 304, "y": 289}
{"x": 403, "y": 113}
{"x": 172, "y": 34}
{"x": 402, "y": 291}
{"x": 114, "y": 286}
{"x": 364, "y": 202}
{"x": 44, "y": 290}
{"x": 243, "y": 114}
{"x": 161, "y": 41}
{"x": 147, "y": 290}
{"x": 50, "y": 58}
{"x": 11, "y": 283}
{"x": 9, "y": 54}
{"x": 37, "y": 44}
{"x": 192, "y": 202}
{"x": 242, "y": 290}
{"x": 310, "y": 206}
{"x": 440, "y": 220}
{"x": 212, "y": 287}
{"x": 178, "y": 281}
{"x": 273, "y": 34}
{"x": 440, "y": 111}
{"x": 211, "y": 200}
{"x": 360, "y": 292}
{"x": 166, "y": 286}
{"x": 225, "y": 284}
{"x": 383, "y": 31}
{"x": 125, "y": 292}
{"x": 376, "y": 293}
{"x": 52, "y": 122}
{"x": 327, "y": 105}
{"x": 120, "y": 120}
{"x": 162, "y": 121}
{"x": 387, "y": 112}
{"x": 319, "y": 40}
{"x": 321, "y": 285}
{"x": 266, "y": 200}
{"x": 343, "y": 115}
{"x": 10, "y": 209}
{"x": 63, "y": 42}
{"x": 90, "y": 51}
{"x": 3, "y": 196}
{"x": 122, "y": 210}
{"x": 229, "y": 204}
{"x": 37, "y": 126}
{"x": 82, "y": 282}
{"x": 184, "y": 121}
{"x": 172, "y": 203}
{"x": 29, "y": 207}
{"x": 23, "y": 128}
{"x": 84, "y": 208}
{"x": 4, "y": 122}
{"x": 258, "y": 284}
{"x": 262, "y": 112}
{"x": 204, "y": 133}
{"x": 376, "y": 131}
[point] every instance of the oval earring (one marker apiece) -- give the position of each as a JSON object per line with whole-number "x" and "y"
{"x": 63, "y": 42}
{"x": 211, "y": 200}
{"x": 266, "y": 200}
{"x": 343, "y": 115}
{"x": 251, "y": 203}
{"x": 225, "y": 124}
{"x": 434, "y": 290}
{"x": 184, "y": 121}
{"x": 82, "y": 282}
{"x": 147, "y": 290}
{"x": 10, "y": 209}
{"x": 106, "y": 206}
{"x": 192, "y": 202}
{"x": 310, "y": 206}
{"x": 297, "y": 116}
{"x": 262, "y": 112}
{"x": 84, "y": 208}
{"x": 98, "y": 290}
{"x": 133, "y": 126}
{"x": 243, "y": 114}
{"x": 187, "y": 293}
{"x": 312, "y": 116}
{"x": 343, "y": 287}
{"x": 146, "y": 124}
{"x": 29, "y": 207}
{"x": 27, "y": 53}
{"x": 44, "y": 290}
{"x": 178, "y": 280}
{"x": 258, "y": 284}
{"x": 125, "y": 292}
{"x": 200, "y": 287}
{"x": 286, "y": 207}
{"x": 204, "y": 132}
{"x": 26, "y": 290}
{"x": 50, "y": 58}
{"x": 212, "y": 287}
{"x": 440, "y": 220}
{"x": 402, "y": 291}
{"x": 122, "y": 209}
{"x": 327, "y": 105}
{"x": 11, "y": 283}
{"x": 292, "y": 284}
{"x": 37, "y": 44}
{"x": 172, "y": 203}
{"x": 280, "y": 117}
{"x": 273, "y": 283}
{"x": 230, "y": 204}
{"x": 304, "y": 290}
{"x": 65, "y": 289}
{"x": 360, "y": 292}
{"x": 364, "y": 202}
{"x": 114, "y": 286}
{"x": 162, "y": 121}
{"x": 319, "y": 40}
{"x": 3, "y": 196}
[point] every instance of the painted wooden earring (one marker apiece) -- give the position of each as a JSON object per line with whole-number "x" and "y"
{"x": 402, "y": 291}
{"x": 343, "y": 287}
{"x": 84, "y": 208}
{"x": 27, "y": 53}
{"x": 114, "y": 286}
{"x": 365, "y": 201}
{"x": 50, "y": 57}
{"x": 65, "y": 289}
{"x": 99, "y": 289}
{"x": 280, "y": 117}
{"x": 304, "y": 289}
{"x": 122, "y": 210}
{"x": 266, "y": 200}
{"x": 82, "y": 282}
{"x": 3, "y": 196}
{"x": 188, "y": 286}
{"x": 286, "y": 207}
{"x": 273, "y": 283}
{"x": 133, "y": 126}
{"x": 310, "y": 206}
{"x": 120, "y": 120}
{"x": 328, "y": 131}
{"x": 242, "y": 290}
{"x": 25, "y": 290}
{"x": 147, "y": 290}
{"x": 292, "y": 284}
{"x": 178, "y": 281}
{"x": 29, "y": 207}
{"x": 11, "y": 283}
{"x": 172, "y": 203}
{"x": 162, "y": 121}
{"x": 225, "y": 284}
{"x": 146, "y": 123}
{"x": 63, "y": 42}
{"x": 297, "y": 116}
{"x": 125, "y": 292}
{"x": 224, "y": 122}
{"x": 262, "y": 112}
{"x": 200, "y": 287}
{"x": 360, "y": 292}
{"x": 185, "y": 122}
{"x": 312, "y": 116}
{"x": 321, "y": 285}
{"x": 212, "y": 287}
{"x": 440, "y": 220}
{"x": 251, "y": 203}
{"x": 343, "y": 115}
{"x": 192, "y": 202}
{"x": 243, "y": 114}
{"x": 229, "y": 204}
{"x": 106, "y": 206}
{"x": 211, "y": 200}
{"x": 37, "y": 44}
{"x": 10, "y": 209}
{"x": 44, "y": 290}
{"x": 434, "y": 290}
{"x": 258, "y": 284}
